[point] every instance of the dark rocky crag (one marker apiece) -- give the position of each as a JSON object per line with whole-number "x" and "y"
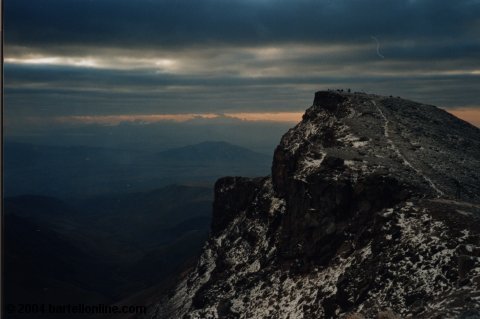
{"x": 372, "y": 211}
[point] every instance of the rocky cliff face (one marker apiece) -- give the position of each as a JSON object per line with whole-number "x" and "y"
{"x": 372, "y": 210}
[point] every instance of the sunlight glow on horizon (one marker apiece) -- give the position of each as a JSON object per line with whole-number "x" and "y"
{"x": 138, "y": 118}
{"x": 279, "y": 117}
{"x": 471, "y": 115}
{"x": 286, "y": 117}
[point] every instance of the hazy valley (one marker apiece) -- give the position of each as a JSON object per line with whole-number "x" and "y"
{"x": 93, "y": 225}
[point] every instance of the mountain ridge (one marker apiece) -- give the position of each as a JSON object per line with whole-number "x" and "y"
{"x": 371, "y": 211}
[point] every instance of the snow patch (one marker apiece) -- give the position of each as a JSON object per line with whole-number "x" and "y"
{"x": 309, "y": 165}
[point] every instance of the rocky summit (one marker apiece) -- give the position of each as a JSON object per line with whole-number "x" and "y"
{"x": 372, "y": 210}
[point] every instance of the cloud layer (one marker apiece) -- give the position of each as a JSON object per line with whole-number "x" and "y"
{"x": 181, "y": 24}
{"x": 112, "y": 58}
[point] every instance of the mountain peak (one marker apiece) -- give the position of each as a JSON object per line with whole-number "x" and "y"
{"x": 328, "y": 100}
{"x": 384, "y": 134}
{"x": 215, "y": 143}
{"x": 372, "y": 207}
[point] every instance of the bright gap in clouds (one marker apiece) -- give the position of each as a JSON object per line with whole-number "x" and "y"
{"x": 98, "y": 62}
{"x": 280, "y": 62}
{"x": 61, "y": 61}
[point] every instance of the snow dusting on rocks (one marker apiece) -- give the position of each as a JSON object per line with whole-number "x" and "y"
{"x": 372, "y": 211}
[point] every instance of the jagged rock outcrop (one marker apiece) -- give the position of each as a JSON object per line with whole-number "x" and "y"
{"x": 372, "y": 211}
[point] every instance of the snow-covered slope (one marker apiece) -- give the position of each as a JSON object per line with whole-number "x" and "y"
{"x": 372, "y": 210}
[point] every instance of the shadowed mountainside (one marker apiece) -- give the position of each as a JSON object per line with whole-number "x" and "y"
{"x": 372, "y": 210}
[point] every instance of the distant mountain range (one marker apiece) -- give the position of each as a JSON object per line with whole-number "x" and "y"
{"x": 213, "y": 152}
{"x": 85, "y": 171}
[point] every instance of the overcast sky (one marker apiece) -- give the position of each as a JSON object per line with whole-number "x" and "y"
{"x": 104, "y": 61}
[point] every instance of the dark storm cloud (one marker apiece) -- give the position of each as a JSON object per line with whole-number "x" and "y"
{"x": 48, "y": 91}
{"x": 149, "y": 23}
{"x": 85, "y": 79}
